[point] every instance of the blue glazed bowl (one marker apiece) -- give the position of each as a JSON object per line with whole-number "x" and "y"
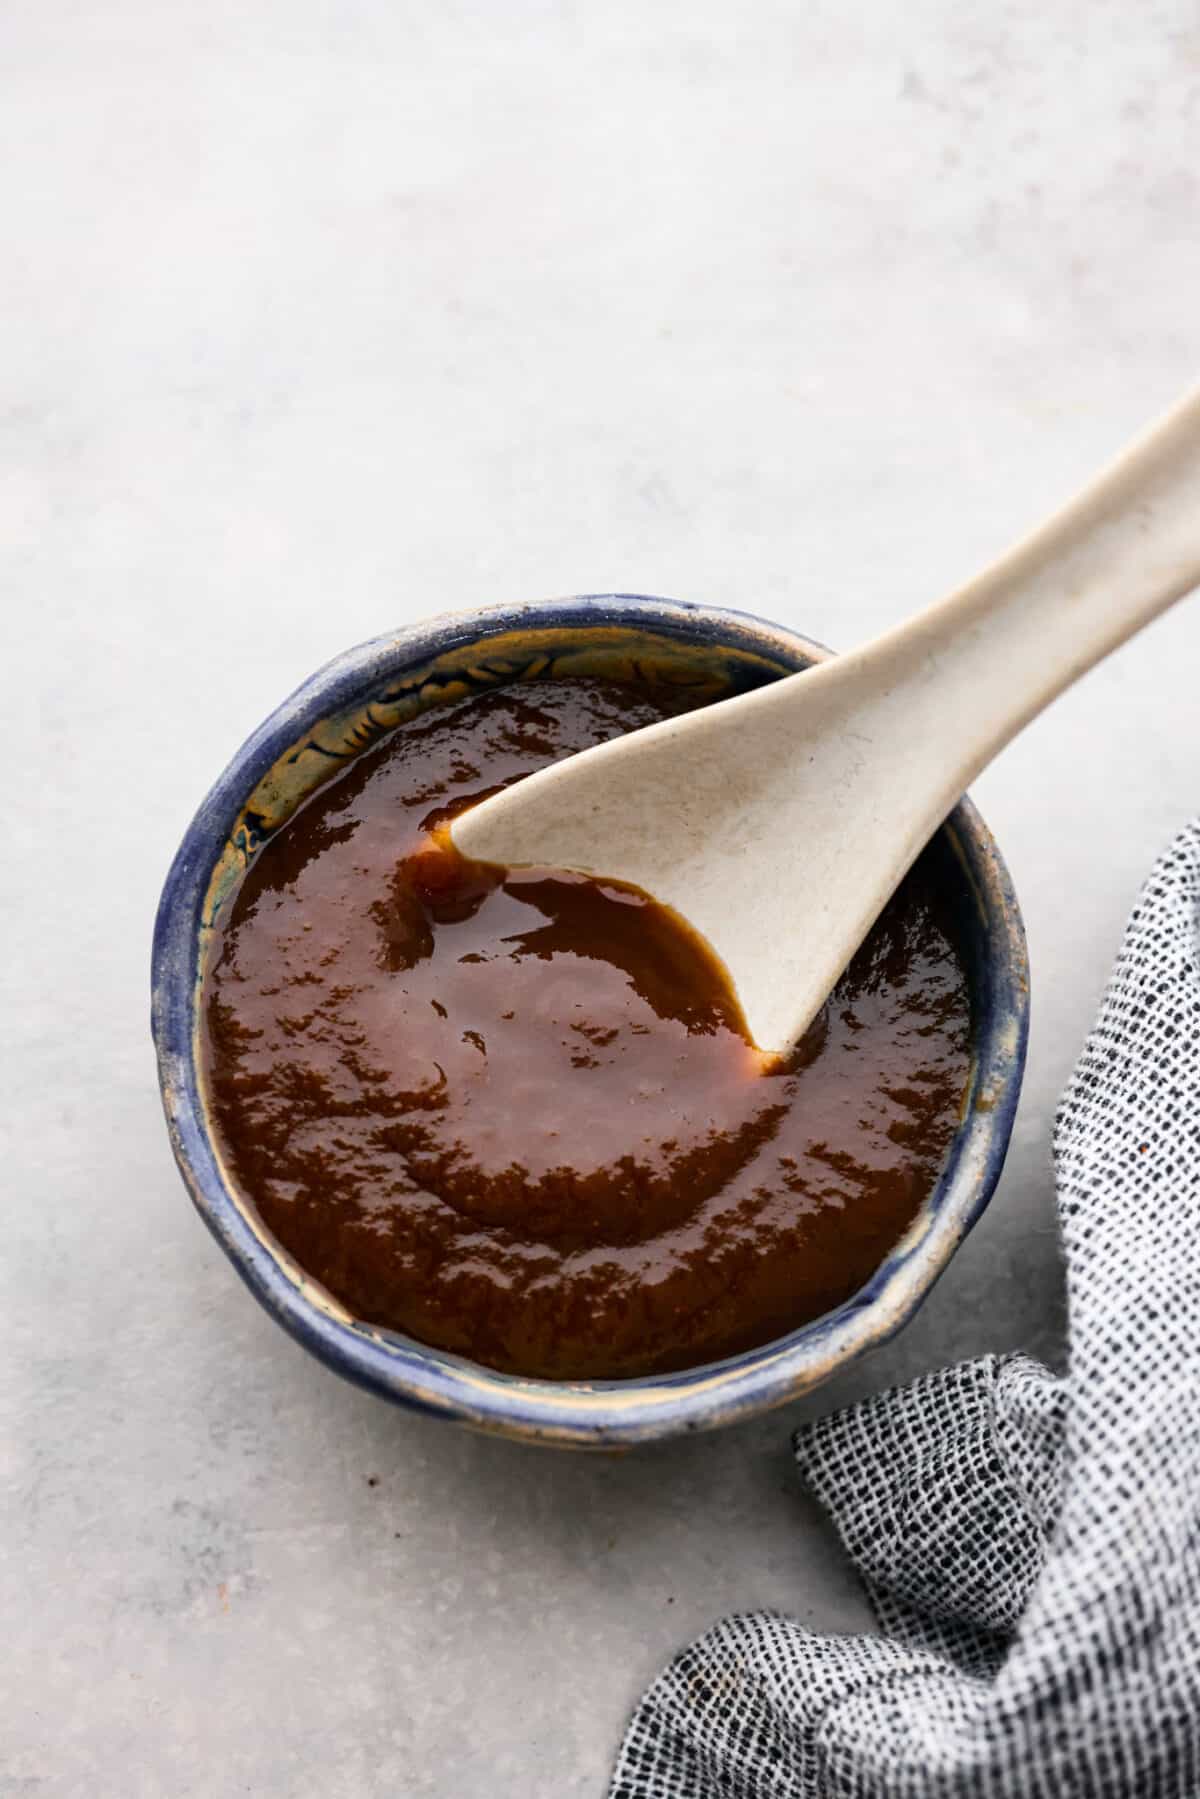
{"x": 332, "y": 718}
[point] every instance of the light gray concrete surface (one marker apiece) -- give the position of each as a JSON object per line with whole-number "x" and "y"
{"x": 321, "y": 315}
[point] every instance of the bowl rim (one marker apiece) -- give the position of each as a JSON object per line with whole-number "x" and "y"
{"x": 592, "y": 1413}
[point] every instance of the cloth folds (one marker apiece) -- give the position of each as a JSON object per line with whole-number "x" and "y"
{"x": 1030, "y": 1542}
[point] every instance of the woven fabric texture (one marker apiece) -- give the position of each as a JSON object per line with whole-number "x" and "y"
{"x": 1030, "y": 1542}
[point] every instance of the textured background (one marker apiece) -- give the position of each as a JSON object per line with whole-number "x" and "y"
{"x": 321, "y": 315}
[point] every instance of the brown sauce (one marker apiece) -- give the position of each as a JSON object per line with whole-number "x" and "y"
{"x": 515, "y": 1115}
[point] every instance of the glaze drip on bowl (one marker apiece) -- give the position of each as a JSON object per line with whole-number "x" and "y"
{"x": 515, "y": 1116}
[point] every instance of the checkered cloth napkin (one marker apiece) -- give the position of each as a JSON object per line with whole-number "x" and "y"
{"x": 1030, "y": 1542}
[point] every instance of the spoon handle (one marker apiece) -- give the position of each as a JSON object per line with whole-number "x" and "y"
{"x": 1001, "y": 648}
{"x": 880, "y": 744}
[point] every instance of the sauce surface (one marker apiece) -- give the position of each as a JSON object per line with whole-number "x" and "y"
{"x": 514, "y": 1115}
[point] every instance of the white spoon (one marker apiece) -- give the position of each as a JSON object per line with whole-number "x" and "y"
{"x": 779, "y": 823}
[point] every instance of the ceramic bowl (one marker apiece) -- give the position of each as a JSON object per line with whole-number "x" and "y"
{"x": 331, "y": 719}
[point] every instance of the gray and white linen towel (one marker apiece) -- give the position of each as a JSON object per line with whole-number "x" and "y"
{"x": 1030, "y": 1542}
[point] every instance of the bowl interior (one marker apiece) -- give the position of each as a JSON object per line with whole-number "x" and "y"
{"x": 342, "y": 711}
